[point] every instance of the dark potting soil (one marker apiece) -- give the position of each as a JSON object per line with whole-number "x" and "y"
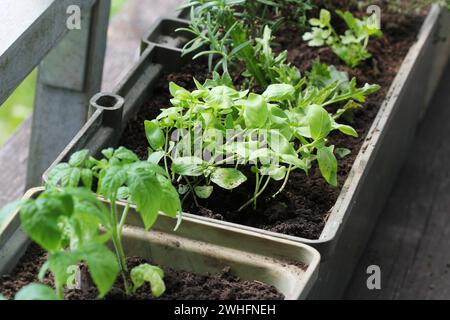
{"x": 303, "y": 208}
{"x": 180, "y": 285}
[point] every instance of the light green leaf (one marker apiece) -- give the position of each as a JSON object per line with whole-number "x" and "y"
{"x": 7, "y": 211}
{"x": 325, "y": 17}
{"x": 112, "y": 179}
{"x": 279, "y": 92}
{"x": 188, "y": 166}
{"x": 155, "y": 136}
{"x": 103, "y": 266}
{"x": 59, "y": 264}
{"x": 170, "y": 200}
{"x": 179, "y": 92}
{"x": 146, "y": 194}
{"x": 256, "y": 111}
{"x": 328, "y": 164}
{"x": 151, "y": 274}
{"x": 280, "y": 145}
{"x": 36, "y": 291}
{"x": 228, "y": 178}
{"x": 78, "y": 158}
{"x": 347, "y": 130}
{"x": 40, "y": 219}
{"x": 64, "y": 175}
{"x": 125, "y": 155}
{"x": 203, "y": 192}
{"x": 87, "y": 178}
{"x": 319, "y": 122}
{"x": 342, "y": 152}
{"x": 156, "y": 157}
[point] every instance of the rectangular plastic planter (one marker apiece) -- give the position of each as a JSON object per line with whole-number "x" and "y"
{"x": 375, "y": 169}
{"x": 250, "y": 256}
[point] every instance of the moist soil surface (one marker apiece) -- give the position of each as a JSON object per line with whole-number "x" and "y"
{"x": 304, "y": 206}
{"x": 180, "y": 285}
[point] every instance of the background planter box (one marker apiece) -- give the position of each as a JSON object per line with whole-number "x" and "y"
{"x": 250, "y": 257}
{"x": 375, "y": 169}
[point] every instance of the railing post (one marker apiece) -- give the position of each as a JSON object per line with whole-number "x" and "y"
{"x": 68, "y": 77}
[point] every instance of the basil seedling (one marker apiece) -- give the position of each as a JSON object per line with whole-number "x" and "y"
{"x": 351, "y": 47}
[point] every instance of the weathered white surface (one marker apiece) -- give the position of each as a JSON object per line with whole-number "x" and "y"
{"x": 125, "y": 32}
{"x": 16, "y": 17}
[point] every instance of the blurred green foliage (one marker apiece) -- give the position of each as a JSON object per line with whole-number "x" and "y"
{"x": 20, "y": 104}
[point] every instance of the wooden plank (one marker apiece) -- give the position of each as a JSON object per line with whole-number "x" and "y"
{"x": 13, "y": 164}
{"x": 127, "y": 29}
{"x": 124, "y": 34}
{"x": 411, "y": 240}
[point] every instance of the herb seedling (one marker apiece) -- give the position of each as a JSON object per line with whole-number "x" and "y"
{"x": 350, "y": 47}
{"x": 283, "y": 129}
{"x": 74, "y": 226}
{"x": 229, "y": 29}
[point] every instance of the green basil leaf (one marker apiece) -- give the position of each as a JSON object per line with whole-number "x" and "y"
{"x": 154, "y": 134}
{"x": 103, "y": 266}
{"x": 40, "y": 219}
{"x": 151, "y": 274}
{"x": 78, "y": 158}
{"x": 319, "y": 122}
{"x": 36, "y": 291}
{"x": 112, "y": 179}
{"x": 188, "y": 166}
{"x": 170, "y": 200}
{"x": 87, "y": 178}
{"x": 279, "y": 92}
{"x": 146, "y": 194}
{"x": 203, "y": 192}
{"x": 228, "y": 178}
{"x": 125, "y": 155}
{"x": 256, "y": 111}
{"x": 328, "y": 164}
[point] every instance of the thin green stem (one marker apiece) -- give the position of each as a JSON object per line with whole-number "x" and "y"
{"x": 192, "y": 190}
{"x": 124, "y": 217}
{"x": 286, "y": 179}
{"x": 249, "y": 202}
{"x": 119, "y": 248}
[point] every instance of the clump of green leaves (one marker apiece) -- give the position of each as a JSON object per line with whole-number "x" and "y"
{"x": 73, "y": 225}
{"x": 229, "y": 30}
{"x": 351, "y": 47}
{"x": 283, "y": 129}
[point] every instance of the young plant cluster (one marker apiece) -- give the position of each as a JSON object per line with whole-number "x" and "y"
{"x": 70, "y": 222}
{"x": 274, "y": 133}
{"x": 285, "y": 128}
{"x": 227, "y": 31}
{"x": 351, "y": 47}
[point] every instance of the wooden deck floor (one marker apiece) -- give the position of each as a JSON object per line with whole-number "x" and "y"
{"x": 411, "y": 243}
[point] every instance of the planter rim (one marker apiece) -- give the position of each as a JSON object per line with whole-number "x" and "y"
{"x": 306, "y": 276}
